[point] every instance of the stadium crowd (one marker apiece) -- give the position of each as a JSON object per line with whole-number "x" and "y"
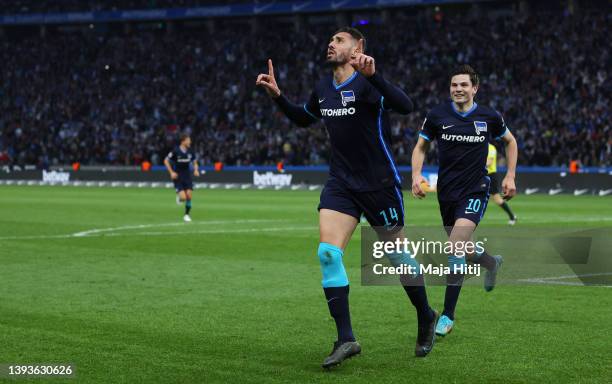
{"x": 39, "y": 6}
{"x": 121, "y": 97}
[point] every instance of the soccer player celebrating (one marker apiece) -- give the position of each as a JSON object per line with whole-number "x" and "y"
{"x": 495, "y": 190}
{"x": 178, "y": 165}
{"x": 354, "y": 103}
{"x": 463, "y": 129}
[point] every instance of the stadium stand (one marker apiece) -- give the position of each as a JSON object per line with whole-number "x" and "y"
{"x": 38, "y": 6}
{"x": 118, "y": 94}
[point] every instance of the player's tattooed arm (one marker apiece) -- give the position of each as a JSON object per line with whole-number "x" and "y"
{"x": 394, "y": 97}
{"x": 508, "y": 184}
{"x": 418, "y": 158}
{"x": 295, "y": 112}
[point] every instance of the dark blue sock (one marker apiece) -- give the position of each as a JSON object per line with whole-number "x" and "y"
{"x": 483, "y": 259}
{"x": 187, "y": 207}
{"x": 451, "y": 296}
{"x": 418, "y": 297}
{"x": 337, "y": 301}
{"x": 507, "y": 209}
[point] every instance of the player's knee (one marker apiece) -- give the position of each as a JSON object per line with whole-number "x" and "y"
{"x": 398, "y": 259}
{"x": 334, "y": 274}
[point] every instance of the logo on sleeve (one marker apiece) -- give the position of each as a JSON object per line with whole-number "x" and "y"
{"x": 481, "y": 126}
{"x": 347, "y": 96}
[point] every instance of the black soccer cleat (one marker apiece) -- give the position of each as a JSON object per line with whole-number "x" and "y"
{"x": 426, "y": 337}
{"x": 342, "y": 350}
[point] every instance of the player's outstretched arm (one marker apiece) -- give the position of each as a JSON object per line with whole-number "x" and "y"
{"x": 508, "y": 184}
{"x": 295, "y": 112}
{"x": 418, "y": 158}
{"x": 395, "y": 98}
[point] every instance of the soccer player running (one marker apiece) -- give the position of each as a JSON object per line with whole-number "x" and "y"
{"x": 495, "y": 185}
{"x": 178, "y": 164}
{"x": 354, "y": 102}
{"x": 463, "y": 129}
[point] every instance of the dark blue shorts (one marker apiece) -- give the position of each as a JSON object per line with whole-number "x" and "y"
{"x": 183, "y": 184}
{"x": 382, "y": 208}
{"x": 472, "y": 207}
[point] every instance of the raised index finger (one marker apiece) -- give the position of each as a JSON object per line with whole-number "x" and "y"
{"x": 270, "y": 68}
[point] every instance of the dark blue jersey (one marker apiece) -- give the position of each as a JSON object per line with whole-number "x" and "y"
{"x": 181, "y": 160}
{"x": 463, "y": 142}
{"x": 357, "y": 119}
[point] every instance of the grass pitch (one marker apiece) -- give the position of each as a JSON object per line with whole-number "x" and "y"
{"x": 112, "y": 281}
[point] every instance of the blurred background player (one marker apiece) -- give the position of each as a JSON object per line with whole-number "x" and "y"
{"x": 178, "y": 163}
{"x": 463, "y": 129}
{"x": 354, "y": 103}
{"x": 495, "y": 184}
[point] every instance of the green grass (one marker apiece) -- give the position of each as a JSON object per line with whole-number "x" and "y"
{"x": 235, "y": 296}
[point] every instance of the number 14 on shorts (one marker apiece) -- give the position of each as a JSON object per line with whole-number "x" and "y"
{"x": 392, "y": 215}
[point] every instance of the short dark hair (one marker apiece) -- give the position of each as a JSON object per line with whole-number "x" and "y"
{"x": 355, "y": 34}
{"x": 466, "y": 69}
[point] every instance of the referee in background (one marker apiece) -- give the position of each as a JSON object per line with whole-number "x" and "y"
{"x": 495, "y": 192}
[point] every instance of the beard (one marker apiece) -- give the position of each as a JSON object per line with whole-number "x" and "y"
{"x": 337, "y": 60}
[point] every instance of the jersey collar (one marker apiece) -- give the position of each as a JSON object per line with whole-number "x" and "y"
{"x": 346, "y": 82}
{"x": 466, "y": 113}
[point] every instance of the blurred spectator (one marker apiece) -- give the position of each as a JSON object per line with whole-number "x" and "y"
{"x": 42, "y": 6}
{"x": 121, "y": 97}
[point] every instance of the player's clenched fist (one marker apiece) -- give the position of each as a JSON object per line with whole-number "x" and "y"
{"x": 418, "y": 182}
{"x": 268, "y": 82}
{"x": 363, "y": 63}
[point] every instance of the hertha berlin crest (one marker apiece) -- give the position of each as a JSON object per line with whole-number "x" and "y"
{"x": 347, "y": 96}
{"x": 481, "y": 126}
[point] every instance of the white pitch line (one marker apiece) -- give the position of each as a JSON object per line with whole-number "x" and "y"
{"x": 211, "y": 231}
{"x": 39, "y": 237}
{"x": 554, "y": 220}
{"x": 109, "y": 231}
{"x": 555, "y": 280}
{"x": 572, "y": 276}
{"x": 96, "y": 231}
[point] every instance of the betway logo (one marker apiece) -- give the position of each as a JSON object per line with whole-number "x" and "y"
{"x": 338, "y": 112}
{"x": 464, "y": 138}
{"x": 55, "y": 176}
{"x": 271, "y": 179}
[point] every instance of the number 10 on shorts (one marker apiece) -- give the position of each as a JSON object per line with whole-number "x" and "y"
{"x": 473, "y": 206}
